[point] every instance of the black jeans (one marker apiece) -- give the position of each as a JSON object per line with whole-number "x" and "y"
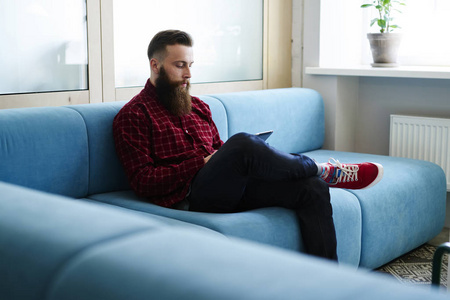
{"x": 246, "y": 173}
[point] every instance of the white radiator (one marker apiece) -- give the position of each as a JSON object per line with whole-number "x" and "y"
{"x": 421, "y": 138}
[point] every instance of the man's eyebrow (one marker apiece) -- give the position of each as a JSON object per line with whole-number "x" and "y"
{"x": 183, "y": 62}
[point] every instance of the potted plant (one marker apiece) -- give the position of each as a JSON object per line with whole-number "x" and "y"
{"x": 384, "y": 45}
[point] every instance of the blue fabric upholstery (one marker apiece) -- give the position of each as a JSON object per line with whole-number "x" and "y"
{"x": 105, "y": 170}
{"x": 273, "y": 225}
{"x": 70, "y": 151}
{"x": 261, "y": 225}
{"x": 396, "y": 218}
{"x": 219, "y": 115}
{"x": 348, "y": 223}
{"x": 54, "y": 248}
{"x": 296, "y": 116}
{"x": 45, "y": 149}
{"x": 41, "y": 232}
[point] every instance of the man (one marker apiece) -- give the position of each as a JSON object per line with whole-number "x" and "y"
{"x": 173, "y": 155}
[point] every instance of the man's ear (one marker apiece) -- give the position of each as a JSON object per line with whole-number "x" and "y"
{"x": 154, "y": 65}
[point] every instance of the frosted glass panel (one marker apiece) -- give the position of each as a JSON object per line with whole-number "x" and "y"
{"x": 43, "y": 46}
{"x": 228, "y": 37}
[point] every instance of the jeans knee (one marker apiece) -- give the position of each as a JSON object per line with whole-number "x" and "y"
{"x": 245, "y": 142}
{"x": 318, "y": 189}
{"x": 241, "y": 136}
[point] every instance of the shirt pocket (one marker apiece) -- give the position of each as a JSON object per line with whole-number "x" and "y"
{"x": 170, "y": 143}
{"x": 201, "y": 132}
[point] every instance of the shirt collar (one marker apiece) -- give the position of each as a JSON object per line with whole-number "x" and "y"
{"x": 150, "y": 89}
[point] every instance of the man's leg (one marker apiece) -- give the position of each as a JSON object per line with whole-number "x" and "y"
{"x": 310, "y": 198}
{"x": 220, "y": 185}
{"x": 246, "y": 173}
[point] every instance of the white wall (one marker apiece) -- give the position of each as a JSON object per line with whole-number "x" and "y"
{"x": 381, "y": 97}
{"x": 357, "y": 109}
{"x": 297, "y": 42}
{"x": 370, "y": 100}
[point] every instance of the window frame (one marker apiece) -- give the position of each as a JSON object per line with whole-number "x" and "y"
{"x": 111, "y": 93}
{"x": 92, "y": 95}
{"x": 101, "y": 79}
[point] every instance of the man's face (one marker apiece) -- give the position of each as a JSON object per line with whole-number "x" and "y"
{"x": 177, "y": 64}
{"x": 172, "y": 83}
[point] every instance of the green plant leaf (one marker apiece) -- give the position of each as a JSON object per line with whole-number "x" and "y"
{"x": 382, "y": 23}
{"x": 373, "y": 21}
{"x": 384, "y": 7}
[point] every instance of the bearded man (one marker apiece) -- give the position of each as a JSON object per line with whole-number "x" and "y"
{"x": 173, "y": 155}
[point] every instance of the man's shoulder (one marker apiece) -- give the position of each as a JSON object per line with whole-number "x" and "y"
{"x": 135, "y": 108}
{"x": 199, "y": 103}
{"x": 141, "y": 101}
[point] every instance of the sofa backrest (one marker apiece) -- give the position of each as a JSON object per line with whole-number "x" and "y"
{"x": 70, "y": 150}
{"x": 43, "y": 235}
{"x": 106, "y": 173}
{"x": 45, "y": 149}
{"x": 219, "y": 115}
{"x": 296, "y": 115}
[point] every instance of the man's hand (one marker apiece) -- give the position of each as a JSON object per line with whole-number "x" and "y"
{"x": 209, "y": 157}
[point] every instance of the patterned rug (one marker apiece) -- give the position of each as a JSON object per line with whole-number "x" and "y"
{"x": 415, "y": 267}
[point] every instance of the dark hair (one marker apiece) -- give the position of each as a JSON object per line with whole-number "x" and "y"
{"x": 165, "y": 38}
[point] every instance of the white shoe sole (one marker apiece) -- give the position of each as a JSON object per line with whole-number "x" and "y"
{"x": 379, "y": 176}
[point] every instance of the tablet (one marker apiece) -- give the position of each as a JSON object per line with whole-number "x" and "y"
{"x": 264, "y": 135}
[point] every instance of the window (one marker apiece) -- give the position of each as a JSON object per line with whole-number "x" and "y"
{"x": 87, "y": 51}
{"x": 228, "y": 37}
{"x": 426, "y": 32}
{"x": 44, "y": 46}
{"x": 424, "y": 23}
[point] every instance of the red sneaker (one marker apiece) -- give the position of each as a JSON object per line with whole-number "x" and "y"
{"x": 351, "y": 176}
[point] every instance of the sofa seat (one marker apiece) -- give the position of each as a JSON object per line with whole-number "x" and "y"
{"x": 272, "y": 225}
{"x": 53, "y": 247}
{"x": 396, "y": 218}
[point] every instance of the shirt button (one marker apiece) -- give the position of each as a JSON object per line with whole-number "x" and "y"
{"x": 187, "y": 131}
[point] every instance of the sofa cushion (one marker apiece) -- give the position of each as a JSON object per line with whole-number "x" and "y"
{"x": 348, "y": 224}
{"x": 219, "y": 115}
{"x": 272, "y": 225}
{"x": 253, "y": 225}
{"x": 42, "y": 232}
{"x": 295, "y": 114}
{"x": 403, "y": 211}
{"x": 181, "y": 264}
{"x": 52, "y": 247}
{"x": 44, "y": 148}
{"x": 105, "y": 170}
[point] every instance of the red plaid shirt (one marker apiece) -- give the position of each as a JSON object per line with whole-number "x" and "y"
{"x": 160, "y": 152}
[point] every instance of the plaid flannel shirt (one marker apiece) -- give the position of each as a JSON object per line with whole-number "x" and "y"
{"x": 160, "y": 152}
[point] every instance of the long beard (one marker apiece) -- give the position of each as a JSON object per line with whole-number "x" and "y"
{"x": 175, "y": 98}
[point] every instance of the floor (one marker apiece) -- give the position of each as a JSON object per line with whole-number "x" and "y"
{"x": 441, "y": 238}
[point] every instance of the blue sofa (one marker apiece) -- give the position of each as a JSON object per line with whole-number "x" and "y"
{"x": 70, "y": 151}
{"x": 58, "y": 248}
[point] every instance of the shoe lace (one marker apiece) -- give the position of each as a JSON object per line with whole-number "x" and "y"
{"x": 348, "y": 172}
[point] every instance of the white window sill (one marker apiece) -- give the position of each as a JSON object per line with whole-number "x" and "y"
{"x": 368, "y": 71}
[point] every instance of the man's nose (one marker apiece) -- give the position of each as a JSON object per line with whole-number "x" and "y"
{"x": 187, "y": 72}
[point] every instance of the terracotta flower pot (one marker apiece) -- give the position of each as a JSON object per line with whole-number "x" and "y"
{"x": 384, "y": 48}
